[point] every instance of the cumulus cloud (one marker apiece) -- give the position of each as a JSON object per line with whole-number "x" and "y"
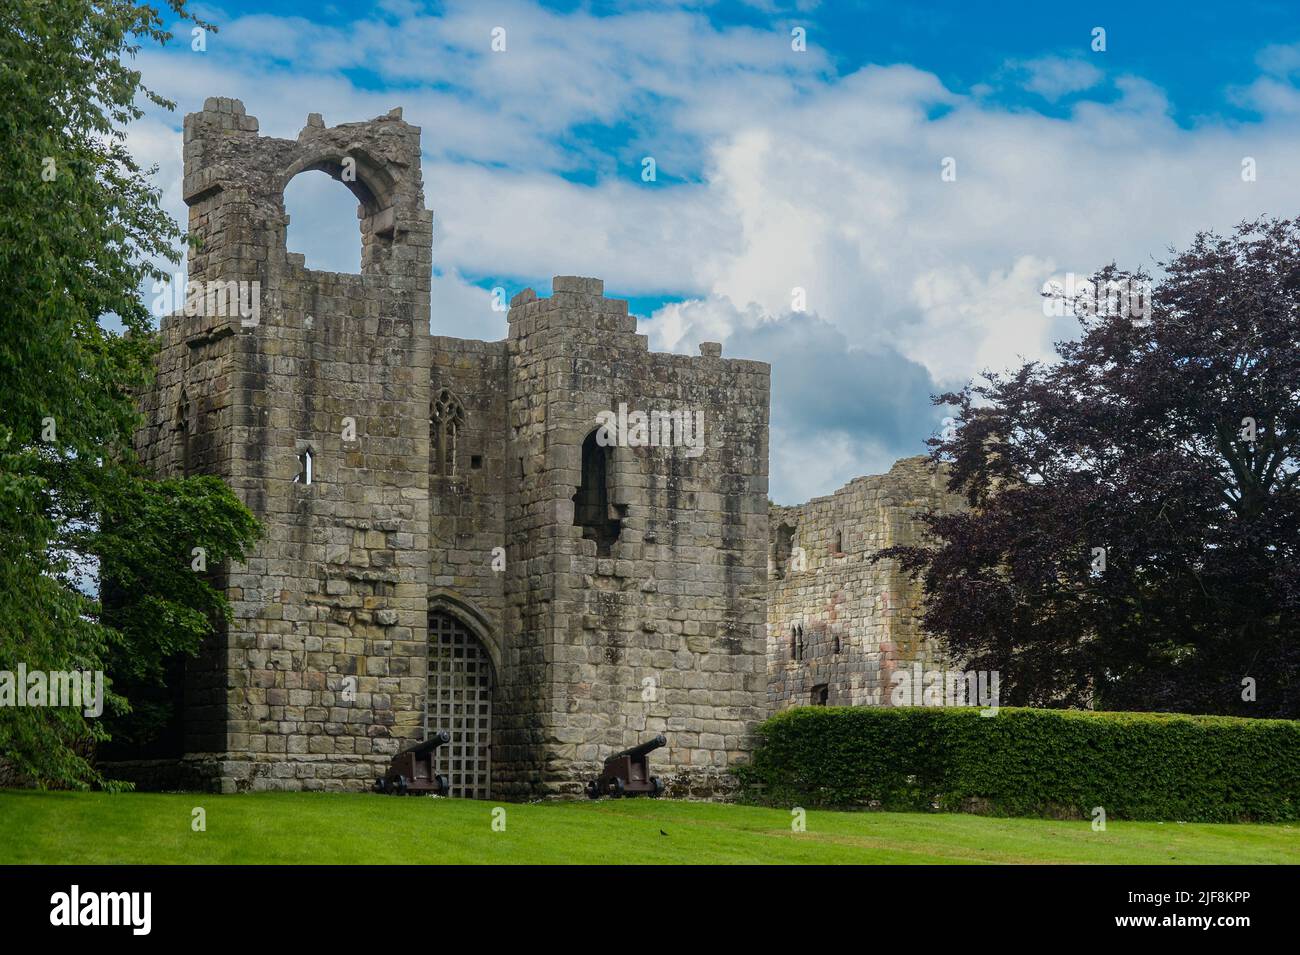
{"x": 782, "y": 183}
{"x": 464, "y": 310}
{"x": 837, "y": 404}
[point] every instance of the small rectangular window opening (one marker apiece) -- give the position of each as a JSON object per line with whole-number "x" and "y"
{"x": 304, "y": 475}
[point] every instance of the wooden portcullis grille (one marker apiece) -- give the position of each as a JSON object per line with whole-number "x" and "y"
{"x": 460, "y": 702}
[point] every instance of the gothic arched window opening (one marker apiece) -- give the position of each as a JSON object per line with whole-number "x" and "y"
{"x": 322, "y": 222}
{"x": 446, "y": 419}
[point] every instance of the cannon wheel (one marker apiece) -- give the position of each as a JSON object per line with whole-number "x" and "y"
{"x": 593, "y": 789}
{"x": 443, "y": 784}
{"x": 658, "y": 785}
{"x": 617, "y": 787}
{"x": 400, "y": 787}
{"x": 381, "y": 785}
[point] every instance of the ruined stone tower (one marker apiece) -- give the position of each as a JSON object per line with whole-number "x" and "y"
{"x": 447, "y": 544}
{"x": 839, "y": 625}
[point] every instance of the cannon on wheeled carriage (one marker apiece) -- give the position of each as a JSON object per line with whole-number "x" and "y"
{"x": 628, "y": 773}
{"x": 411, "y": 770}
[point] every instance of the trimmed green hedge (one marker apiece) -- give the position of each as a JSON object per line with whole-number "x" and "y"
{"x": 1028, "y": 762}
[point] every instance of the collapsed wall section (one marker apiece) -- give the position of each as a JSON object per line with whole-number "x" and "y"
{"x": 839, "y": 626}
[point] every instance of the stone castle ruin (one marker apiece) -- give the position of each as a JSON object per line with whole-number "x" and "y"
{"x": 451, "y": 540}
{"x": 839, "y": 625}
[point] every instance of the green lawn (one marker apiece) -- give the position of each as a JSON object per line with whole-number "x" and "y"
{"x": 59, "y": 827}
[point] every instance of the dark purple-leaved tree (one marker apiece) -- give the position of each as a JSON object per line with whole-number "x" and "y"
{"x": 1133, "y": 533}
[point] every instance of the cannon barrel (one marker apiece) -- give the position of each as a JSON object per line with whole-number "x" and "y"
{"x": 436, "y": 739}
{"x": 641, "y": 749}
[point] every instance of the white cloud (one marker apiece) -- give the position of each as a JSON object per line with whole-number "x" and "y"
{"x": 1280, "y": 59}
{"x": 987, "y": 313}
{"x": 811, "y": 464}
{"x": 1052, "y": 77}
{"x": 463, "y": 310}
{"x": 323, "y": 223}
{"x": 775, "y": 174}
{"x": 1270, "y": 96}
{"x": 641, "y": 238}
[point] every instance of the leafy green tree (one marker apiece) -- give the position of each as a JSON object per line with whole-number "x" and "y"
{"x": 80, "y": 229}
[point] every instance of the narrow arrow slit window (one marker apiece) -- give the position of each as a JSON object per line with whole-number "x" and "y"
{"x": 304, "y": 475}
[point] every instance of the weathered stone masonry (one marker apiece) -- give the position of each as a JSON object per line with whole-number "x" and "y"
{"x": 339, "y": 586}
{"x": 575, "y": 599}
{"x": 839, "y": 625}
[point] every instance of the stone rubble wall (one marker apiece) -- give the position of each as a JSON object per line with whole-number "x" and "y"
{"x": 839, "y": 598}
{"x": 189, "y": 415}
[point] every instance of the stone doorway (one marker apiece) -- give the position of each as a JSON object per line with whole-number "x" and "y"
{"x": 459, "y": 700}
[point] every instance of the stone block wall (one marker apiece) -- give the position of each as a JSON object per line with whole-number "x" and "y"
{"x": 838, "y": 626}
{"x": 471, "y": 489}
{"x": 319, "y": 679}
{"x": 665, "y": 632}
{"x": 470, "y": 485}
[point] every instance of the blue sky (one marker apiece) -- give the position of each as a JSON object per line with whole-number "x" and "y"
{"x": 782, "y": 170}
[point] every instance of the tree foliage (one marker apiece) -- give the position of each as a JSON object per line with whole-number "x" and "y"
{"x": 80, "y": 232}
{"x": 1164, "y": 448}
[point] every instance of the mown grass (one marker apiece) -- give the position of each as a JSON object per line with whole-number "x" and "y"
{"x": 97, "y": 828}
